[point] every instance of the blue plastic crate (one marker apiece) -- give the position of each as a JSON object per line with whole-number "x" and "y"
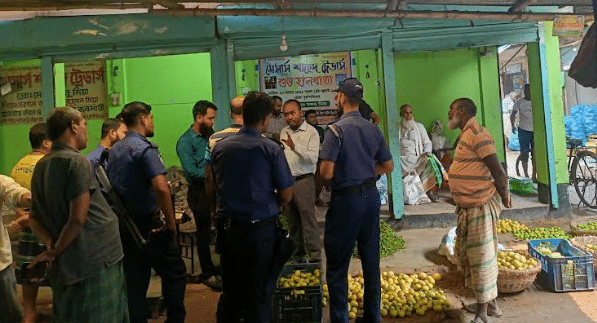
{"x": 573, "y": 272}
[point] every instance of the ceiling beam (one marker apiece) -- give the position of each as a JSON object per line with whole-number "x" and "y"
{"x": 168, "y": 4}
{"x": 460, "y": 15}
{"x": 284, "y": 4}
{"x": 519, "y": 5}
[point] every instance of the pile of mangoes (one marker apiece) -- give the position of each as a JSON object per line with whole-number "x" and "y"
{"x": 510, "y": 226}
{"x": 401, "y": 294}
{"x": 515, "y": 260}
{"x": 541, "y": 233}
{"x": 300, "y": 278}
{"x": 588, "y": 226}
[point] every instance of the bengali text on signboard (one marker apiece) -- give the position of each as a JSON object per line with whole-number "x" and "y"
{"x": 85, "y": 88}
{"x": 23, "y": 103}
{"x": 309, "y": 79}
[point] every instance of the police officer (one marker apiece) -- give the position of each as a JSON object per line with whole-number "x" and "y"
{"x": 354, "y": 153}
{"x": 137, "y": 172}
{"x": 252, "y": 181}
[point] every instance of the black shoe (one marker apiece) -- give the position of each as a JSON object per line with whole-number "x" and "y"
{"x": 214, "y": 282}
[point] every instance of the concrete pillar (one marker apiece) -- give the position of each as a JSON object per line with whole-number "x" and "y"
{"x": 47, "y": 85}
{"x": 548, "y": 119}
{"x": 393, "y": 118}
{"x": 223, "y": 81}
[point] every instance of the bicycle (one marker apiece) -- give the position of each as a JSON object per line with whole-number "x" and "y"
{"x": 582, "y": 170}
{"x": 582, "y": 166}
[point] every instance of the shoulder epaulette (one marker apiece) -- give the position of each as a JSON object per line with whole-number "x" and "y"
{"x": 278, "y": 142}
{"x": 337, "y": 133}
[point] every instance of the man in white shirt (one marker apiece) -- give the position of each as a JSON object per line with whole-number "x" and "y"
{"x": 12, "y": 195}
{"x": 301, "y": 147}
{"x": 524, "y": 108}
{"x": 415, "y": 153}
{"x": 276, "y": 120}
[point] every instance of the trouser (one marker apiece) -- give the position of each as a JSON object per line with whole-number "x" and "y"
{"x": 302, "y": 222}
{"x": 525, "y": 139}
{"x": 247, "y": 279}
{"x": 353, "y": 217}
{"x": 163, "y": 254}
{"x": 10, "y": 307}
{"x": 198, "y": 203}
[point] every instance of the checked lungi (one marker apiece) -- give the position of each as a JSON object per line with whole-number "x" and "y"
{"x": 98, "y": 299}
{"x": 30, "y": 246}
{"x": 477, "y": 247}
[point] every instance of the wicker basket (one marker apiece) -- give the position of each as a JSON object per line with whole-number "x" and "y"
{"x": 581, "y": 242}
{"x": 512, "y": 280}
{"x": 584, "y": 220}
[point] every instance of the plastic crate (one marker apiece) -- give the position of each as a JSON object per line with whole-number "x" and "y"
{"x": 298, "y": 304}
{"x": 573, "y": 272}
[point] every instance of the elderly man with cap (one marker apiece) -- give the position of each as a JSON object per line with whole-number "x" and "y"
{"x": 354, "y": 153}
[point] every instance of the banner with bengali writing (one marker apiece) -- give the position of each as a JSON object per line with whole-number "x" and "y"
{"x": 85, "y": 88}
{"x": 568, "y": 26}
{"x": 22, "y": 105}
{"x": 309, "y": 79}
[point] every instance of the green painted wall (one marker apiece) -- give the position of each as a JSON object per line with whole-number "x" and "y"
{"x": 250, "y": 82}
{"x": 171, "y": 85}
{"x": 430, "y": 81}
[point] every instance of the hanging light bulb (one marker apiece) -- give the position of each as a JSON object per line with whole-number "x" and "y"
{"x": 283, "y": 44}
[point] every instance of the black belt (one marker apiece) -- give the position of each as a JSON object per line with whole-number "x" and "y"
{"x": 355, "y": 189}
{"x": 298, "y": 178}
{"x": 233, "y": 222}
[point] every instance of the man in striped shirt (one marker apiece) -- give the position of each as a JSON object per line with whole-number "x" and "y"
{"x": 477, "y": 183}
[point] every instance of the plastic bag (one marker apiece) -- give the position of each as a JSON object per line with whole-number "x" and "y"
{"x": 382, "y": 187}
{"x": 447, "y": 246}
{"x": 414, "y": 194}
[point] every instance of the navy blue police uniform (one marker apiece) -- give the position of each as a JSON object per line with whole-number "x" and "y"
{"x": 248, "y": 169}
{"x": 354, "y": 145}
{"x": 134, "y": 162}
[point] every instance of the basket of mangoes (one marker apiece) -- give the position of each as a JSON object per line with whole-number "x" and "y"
{"x": 517, "y": 270}
{"x": 586, "y": 244}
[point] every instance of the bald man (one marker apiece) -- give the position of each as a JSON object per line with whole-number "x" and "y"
{"x": 236, "y": 114}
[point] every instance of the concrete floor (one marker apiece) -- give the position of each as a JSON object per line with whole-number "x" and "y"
{"x": 531, "y": 306}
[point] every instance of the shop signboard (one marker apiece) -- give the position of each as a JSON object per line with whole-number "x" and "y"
{"x": 568, "y": 26}
{"x": 309, "y": 79}
{"x": 85, "y": 88}
{"x": 21, "y": 101}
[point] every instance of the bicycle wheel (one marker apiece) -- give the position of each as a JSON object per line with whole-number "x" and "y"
{"x": 583, "y": 174}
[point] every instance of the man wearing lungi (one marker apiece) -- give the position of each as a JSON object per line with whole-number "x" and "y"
{"x": 477, "y": 183}
{"x": 416, "y": 156}
{"x": 71, "y": 216}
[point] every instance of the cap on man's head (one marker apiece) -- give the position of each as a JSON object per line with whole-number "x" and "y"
{"x": 351, "y": 87}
